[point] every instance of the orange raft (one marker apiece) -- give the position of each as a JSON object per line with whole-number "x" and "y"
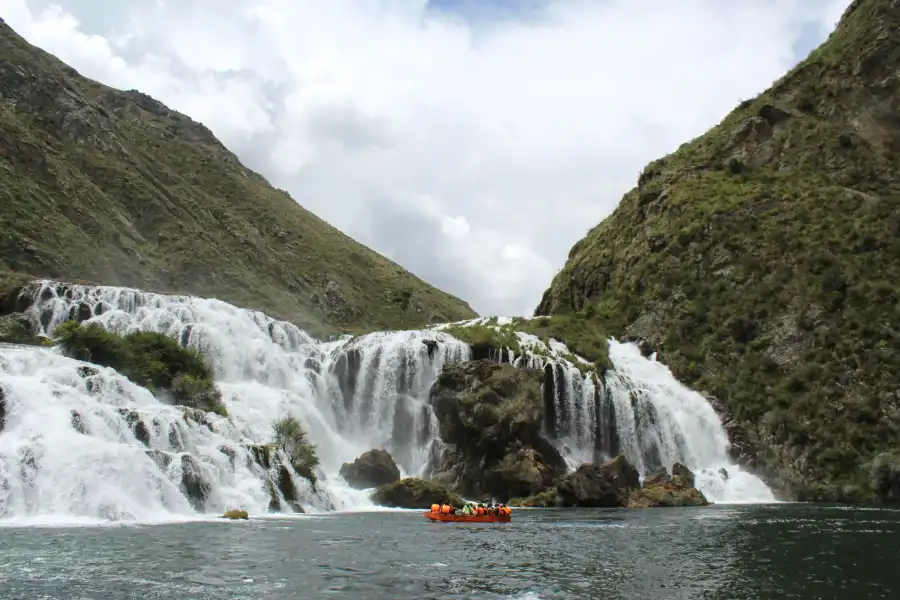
{"x": 467, "y": 518}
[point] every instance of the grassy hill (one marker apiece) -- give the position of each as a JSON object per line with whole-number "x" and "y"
{"x": 113, "y": 187}
{"x": 762, "y": 260}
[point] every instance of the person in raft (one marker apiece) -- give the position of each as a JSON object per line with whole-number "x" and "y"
{"x": 479, "y": 510}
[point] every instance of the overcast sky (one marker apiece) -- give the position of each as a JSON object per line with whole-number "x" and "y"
{"x": 471, "y": 141}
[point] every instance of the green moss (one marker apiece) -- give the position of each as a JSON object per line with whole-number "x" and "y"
{"x": 150, "y": 359}
{"x": 486, "y": 339}
{"x": 113, "y": 187}
{"x": 548, "y": 499}
{"x": 759, "y": 259}
{"x": 291, "y": 437}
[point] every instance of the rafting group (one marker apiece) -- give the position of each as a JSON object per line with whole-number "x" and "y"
{"x": 470, "y": 512}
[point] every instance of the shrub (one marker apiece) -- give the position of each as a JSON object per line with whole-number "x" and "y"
{"x": 290, "y": 436}
{"x": 147, "y": 358}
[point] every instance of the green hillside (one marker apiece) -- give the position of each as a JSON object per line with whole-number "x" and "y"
{"x": 762, "y": 260}
{"x": 112, "y": 187}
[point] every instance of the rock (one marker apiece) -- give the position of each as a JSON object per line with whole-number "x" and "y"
{"x": 16, "y": 328}
{"x": 661, "y": 489}
{"x": 414, "y": 493}
{"x": 193, "y": 484}
{"x": 2, "y": 408}
{"x": 236, "y": 514}
{"x": 600, "y": 485}
{"x": 548, "y": 499}
{"x": 432, "y": 347}
{"x": 724, "y": 473}
{"x": 490, "y": 418}
{"x": 371, "y": 469}
{"x": 885, "y": 477}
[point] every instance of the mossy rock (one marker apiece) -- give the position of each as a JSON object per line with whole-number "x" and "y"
{"x": 370, "y": 469}
{"x": 17, "y": 329}
{"x": 547, "y": 499}
{"x": 147, "y": 358}
{"x": 414, "y": 493}
{"x": 236, "y": 514}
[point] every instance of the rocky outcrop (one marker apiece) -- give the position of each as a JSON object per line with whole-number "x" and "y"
{"x": 594, "y": 485}
{"x": 490, "y": 418}
{"x": 662, "y": 489}
{"x": 414, "y": 493}
{"x": 17, "y": 329}
{"x": 280, "y": 483}
{"x": 371, "y": 469}
{"x": 885, "y": 476}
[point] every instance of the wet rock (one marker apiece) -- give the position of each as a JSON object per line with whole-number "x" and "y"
{"x": 414, "y": 493}
{"x": 491, "y": 417}
{"x": 162, "y": 459}
{"x": 371, "y": 469}
{"x": 600, "y": 485}
{"x": 261, "y": 454}
{"x": 141, "y": 433}
{"x": 885, "y": 477}
{"x": 724, "y": 473}
{"x": 78, "y": 423}
{"x": 286, "y": 485}
{"x": 548, "y": 499}
{"x": 2, "y": 408}
{"x": 193, "y": 484}
{"x": 230, "y": 453}
{"x": 85, "y": 371}
{"x": 17, "y": 328}
{"x": 236, "y": 514}
{"x": 662, "y": 489}
{"x": 432, "y": 347}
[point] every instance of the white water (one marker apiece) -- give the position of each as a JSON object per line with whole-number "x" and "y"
{"x": 353, "y": 395}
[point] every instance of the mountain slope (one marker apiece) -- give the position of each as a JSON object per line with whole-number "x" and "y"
{"x": 762, "y": 260}
{"x": 113, "y": 187}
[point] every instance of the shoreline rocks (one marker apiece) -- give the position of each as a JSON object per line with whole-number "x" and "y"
{"x": 372, "y": 469}
{"x": 414, "y": 493}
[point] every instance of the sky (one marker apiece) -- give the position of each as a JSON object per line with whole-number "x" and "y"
{"x": 471, "y": 141}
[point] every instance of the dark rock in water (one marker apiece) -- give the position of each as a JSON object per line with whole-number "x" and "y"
{"x": 600, "y": 485}
{"x": 414, "y": 493}
{"x": 885, "y": 477}
{"x": 286, "y": 484}
{"x": 371, "y": 469}
{"x": 162, "y": 459}
{"x": 78, "y": 423}
{"x": 85, "y": 371}
{"x": 432, "y": 347}
{"x": 491, "y": 417}
{"x": 193, "y": 484}
{"x": 17, "y": 328}
{"x": 261, "y": 454}
{"x": 2, "y": 408}
{"x": 230, "y": 453}
{"x": 661, "y": 489}
{"x": 141, "y": 433}
{"x": 724, "y": 473}
{"x": 548, "y": 499}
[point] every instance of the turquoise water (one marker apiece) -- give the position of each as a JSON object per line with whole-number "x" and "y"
{"x": 735, "y": 553}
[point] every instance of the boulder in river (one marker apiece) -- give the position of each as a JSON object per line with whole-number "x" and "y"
{"x": 236, "y": 514}
{"x": 371, "y": 469}
{"x": 414, "y": 493}
{"x": 662, "y": 489}
{"x": 600, "y": 485}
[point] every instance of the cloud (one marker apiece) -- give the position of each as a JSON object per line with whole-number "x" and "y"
{"x": 474, "y": 147}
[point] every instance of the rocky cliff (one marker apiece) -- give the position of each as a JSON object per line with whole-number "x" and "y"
{"x": 761, "y": 261}
{"x": 113, "y": 187}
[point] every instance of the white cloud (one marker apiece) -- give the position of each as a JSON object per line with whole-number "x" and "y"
{"x": 475, "y": 156}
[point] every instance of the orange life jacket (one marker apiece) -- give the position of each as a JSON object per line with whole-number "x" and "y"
{"x": 445, "y": 509}
{"x": 435, "y": 508}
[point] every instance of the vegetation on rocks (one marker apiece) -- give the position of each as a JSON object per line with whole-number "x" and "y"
{"x": 662, "y": 489}
{"x": 490, "y": 417}
{"x": 113, "y": 187}
{"x": 291, "y": 438}
{"x": 414, "y": 493}
{"x": 147, "y": 358}
{"x": 760, "y": 261}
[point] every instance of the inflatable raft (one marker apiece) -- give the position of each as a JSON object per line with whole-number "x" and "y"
{"x": 467, "y": 518}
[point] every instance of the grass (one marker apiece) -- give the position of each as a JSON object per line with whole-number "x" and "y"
{"x": 150, "y": 359}
{"x": 291, "y": 437}
{"x": 760, "y": 259}
{"x": 112, "y": 187}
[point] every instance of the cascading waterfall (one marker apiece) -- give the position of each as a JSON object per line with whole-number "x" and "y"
{"x": 641, "y": 410}
{"x": 85, "y": 442}
{"x": 80, "y": 441}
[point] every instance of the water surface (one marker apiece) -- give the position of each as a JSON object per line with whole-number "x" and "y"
{"x": 728, "y": 552}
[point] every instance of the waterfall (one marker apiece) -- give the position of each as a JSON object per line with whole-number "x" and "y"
{"x": 640, "y": 409}
{"x": 79, "y": 441}
{"x": 83, "y": 441}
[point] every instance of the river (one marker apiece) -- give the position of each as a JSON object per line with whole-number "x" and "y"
{"x": 729, "y": 552}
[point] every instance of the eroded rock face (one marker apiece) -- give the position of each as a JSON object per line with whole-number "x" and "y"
{"x": 885, "y": 475}
{"x": 662, "y": 489}
{"x": 414, "y": 493}
{"x": 371, "y": 469}
{"x": 591, "y": 484}
{"x": 490, "y": 417}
